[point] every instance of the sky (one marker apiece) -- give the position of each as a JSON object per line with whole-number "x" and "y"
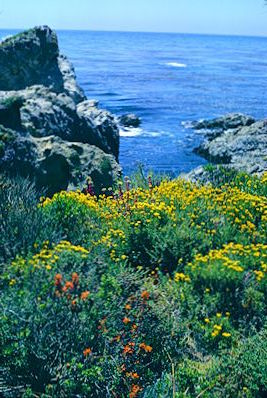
{"x": 238, "y": 17}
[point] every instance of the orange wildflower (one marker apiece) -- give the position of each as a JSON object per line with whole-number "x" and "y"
{"x": 68, "y": 285}
{"x": 146, "y": 348}
{"x": 87, "y": 352}
{"x": 128, "y": 307}
{"x": 58, "y": 280}
{"x": 134, "y": 328}
{"x": 128, "y": 348}
{"x": 75, "y": 278}
{"x": 135, "y": 389}
{"x": 126, "y": 320}
{"x": 145, "y": 295}
{"x": 84, "y": 295}
{"x": 132, "y": 375}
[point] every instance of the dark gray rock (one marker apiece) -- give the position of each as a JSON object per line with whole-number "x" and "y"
{"x": 48, "y": 130}
{"x": 197, "y": 175}
{"x": 244, "y": 148}
{"x": 230, "y": 121}
{"x": 130, "y": 120}
{"x": 105, "y": 124}
{"x": 10, "y": 112}
{"x": 56, "y": 164}
{"x": 31, "y": 58}
{"x": 69, "y": 80}
{"x": 43, "y": 112}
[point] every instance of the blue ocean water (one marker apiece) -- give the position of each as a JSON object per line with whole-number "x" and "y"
{"x": 167, "y": 80}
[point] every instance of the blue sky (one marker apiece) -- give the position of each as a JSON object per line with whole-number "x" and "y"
{"x": 245, "y": 17}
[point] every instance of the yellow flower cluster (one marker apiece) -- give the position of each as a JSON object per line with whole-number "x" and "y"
{"x": 228, "y": 254}
{"x": 264, "y": 178}
{"x": 216, "y": 330}
{"x": 172, "y": 197}
{"x": 108, "y": 239}
{"x": 77, "y": 196}
{"x": 203, "y": 208}
{"x": 48, "y": 257}
{"x": 179, "y": 276}
{"x": 218, "y": 325}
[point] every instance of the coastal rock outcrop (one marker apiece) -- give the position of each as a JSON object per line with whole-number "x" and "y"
{"x": 130, "y": 120}
{"x": 55, "y": 134}
{"x": 230, "y": 121}
{"x": 54, "y": 163}
{"x": 237, "y": 141}
{"x": 32, "y": 57}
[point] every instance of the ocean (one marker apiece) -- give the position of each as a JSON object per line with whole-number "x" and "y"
{"x": 168, "y": 80}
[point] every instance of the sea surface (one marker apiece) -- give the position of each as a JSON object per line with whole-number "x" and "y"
{"x": 168, "y": 80}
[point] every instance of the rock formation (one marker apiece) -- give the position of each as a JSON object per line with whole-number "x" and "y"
{"x": 48, "y": 129}
{"x": 235, "y": 140}
{"x": 130, "y": 120}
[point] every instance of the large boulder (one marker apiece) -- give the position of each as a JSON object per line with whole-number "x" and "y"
{"x": 31, "y": 58}
{"x": 42, "y": 112}
{"x": 130, "y": 120}
{"x": 56, "y": 164}
{"x": 49, "y": 130}
{"x": 243, "y": 147}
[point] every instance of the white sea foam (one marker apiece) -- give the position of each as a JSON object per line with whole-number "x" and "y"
{"x": 176, "y": 64}
{"x": 130, "y": 132}
{"x": 5, "y": 38}
{"x": 154, "y": 134}
{"x": 135, "y": 132}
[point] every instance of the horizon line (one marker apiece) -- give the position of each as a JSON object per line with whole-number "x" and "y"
{"x": 143, "y": 32}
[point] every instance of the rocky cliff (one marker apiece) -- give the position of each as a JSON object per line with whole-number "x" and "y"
{"x": 48, "y": 129}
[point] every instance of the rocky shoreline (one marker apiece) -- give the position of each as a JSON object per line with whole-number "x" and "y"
{"x": 52, "y": 133}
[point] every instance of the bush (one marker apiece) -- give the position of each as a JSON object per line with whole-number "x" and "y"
{"x": 157, "y": 290}
{"x": 22, "y": 222}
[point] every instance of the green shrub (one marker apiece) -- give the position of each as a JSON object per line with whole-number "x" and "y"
{"x": 152, "y": 291}
{"x": 21, "y": 220}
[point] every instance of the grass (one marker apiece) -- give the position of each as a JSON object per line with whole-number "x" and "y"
{"x": 155, "y": 288}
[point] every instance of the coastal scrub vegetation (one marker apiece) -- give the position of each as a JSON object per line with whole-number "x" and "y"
{"x": 155, "y": 288}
